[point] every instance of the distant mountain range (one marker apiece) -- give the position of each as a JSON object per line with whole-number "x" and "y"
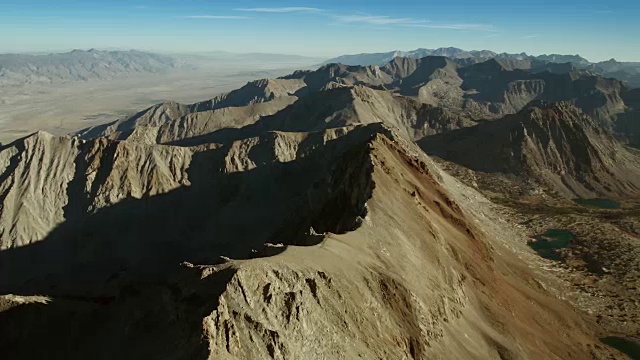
{"x": 629, "y": 72}
{"x": 83, "y": 65}
{"x": 20, "y": 69}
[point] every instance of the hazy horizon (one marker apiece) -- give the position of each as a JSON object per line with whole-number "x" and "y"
{"x": 325, "y": 29}
{"x": 222, "y": 51}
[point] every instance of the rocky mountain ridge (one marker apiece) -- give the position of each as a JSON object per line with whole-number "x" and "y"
{"x": 624, "y": 71}
{"x": 467, "y": 94}
{"x": 330, "y": 242}
{"x": 553, "y": 143}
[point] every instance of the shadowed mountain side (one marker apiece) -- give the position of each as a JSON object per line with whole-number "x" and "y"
{"x": 159, "y": 320}
{"x": 239, "y": 197}
{"x": 153, "y": 116}
{"x": 307, "y": 302}
{"x": 628, "y": 124}
{"x": 554, "y": 143}
{"x": 253, "y": 93}
{"x": 334, "y": 108}
{"x": 230, "y": 117}
{"x": 169, "y": 122}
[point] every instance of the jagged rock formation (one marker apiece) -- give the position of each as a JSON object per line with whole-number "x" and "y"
{"x": 490, "y": 89}
{"x": 555, "y": 143}
{"x": 627, "y": 72}
{"x": 154, "y": 116}
{"x": 452, "y": 53}
{"x": 254, "y": 92}
{"x": 79, "y": 65}
{"x": 349, "y": 215}
{"x": 333, "y": 107}
{"x": 487, "y": 90}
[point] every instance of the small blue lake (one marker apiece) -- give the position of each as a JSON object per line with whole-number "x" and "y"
{"x": 548, "y": 244}
{"x": 599, "y": 203}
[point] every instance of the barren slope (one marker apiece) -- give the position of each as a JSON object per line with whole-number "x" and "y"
{"x": 398, "y": 263}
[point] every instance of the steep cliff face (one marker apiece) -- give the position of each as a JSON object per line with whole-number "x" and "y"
{"x": 70, "y": 207}
{"x": 47, "y": 179}
{"x": 555, "y": 143}
{"x": 328, "y": 229}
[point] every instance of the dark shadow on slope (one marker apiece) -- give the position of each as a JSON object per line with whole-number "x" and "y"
{"x": 145, "y": 320}
{"x": 305, "y": 115}
{"x": 218, "y": 215}
{"x": 117, "y": 287}
{"x": 630, "y": 347}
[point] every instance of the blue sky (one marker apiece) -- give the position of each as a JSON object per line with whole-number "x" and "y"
{"x": 597, "y": 30}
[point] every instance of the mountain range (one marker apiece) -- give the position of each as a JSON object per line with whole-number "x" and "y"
{"x": 629, "y": 72}
{"x": 84, "y": 65}
{"x": 405, "y": 90}
{"x": 78, "y": 65}
{"x": 376, "y": 212}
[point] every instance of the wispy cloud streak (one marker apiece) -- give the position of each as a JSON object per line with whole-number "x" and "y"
{"x": 477, "y": 27}
{"x": 282, "y": 10}
{"x": 379, "y": 20}
{"x": 405, "y": 21}
{"x": 215, "y": 17}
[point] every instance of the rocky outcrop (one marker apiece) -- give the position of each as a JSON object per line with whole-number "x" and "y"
{"x": 254, "y": 92}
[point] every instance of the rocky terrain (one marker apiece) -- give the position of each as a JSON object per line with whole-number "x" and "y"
{"x": 407, "y": 91}
{"x": 404, "y": 211}
{"x": 554, "y": 144}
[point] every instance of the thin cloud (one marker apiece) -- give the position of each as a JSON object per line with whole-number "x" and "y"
{"x": 379, "y": 20}
{"x": 405, "y": 21}
{"x": 476, "y": 27}
{"x": 215, "y": 17}
{"x": 282, "y": 10}
{"x": 534, "y": 36}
